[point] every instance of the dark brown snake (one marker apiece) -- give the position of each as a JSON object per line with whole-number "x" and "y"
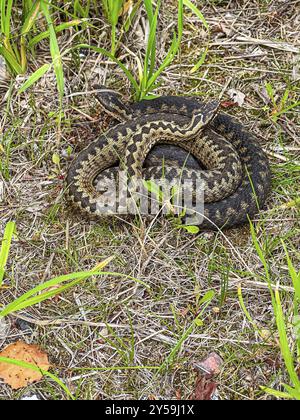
{"x": 191, "y": 140}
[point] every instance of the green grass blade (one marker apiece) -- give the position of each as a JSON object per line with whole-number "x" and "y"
{"x": 149, "y": 10}
{"x": 197, "y": 12}
{"x": 284, "y": 345}
{"x": 262, "y": 258}
{"x": 132, "y": 15}
{"x": 149, "y": 61}
{"x": 54, "y": 49}
{"x": 151, "y": 47}
{"x": 206, "y": 300}
{"x": 39, "y": 298}
{"x": 78, "y": 9}
{"x": 118, "y": 62}
{"x": 168, "y": 59}
{"x": 180, "y": 21}
{"x": 2, "y": 15}
{"x": 26, "y": 7}
{"x": 284, "y": 98}
{"x": 277, "y": 394}
{"x": 294, "y": 393}
{"x": 247, "y": 314}
{"x": 105, "y": 7}
{"x": 35, "y": 77}
{"x": 31, "y": 17}
{"x": 172, "y": 51}
{"x": 11, "y": 60}
{"x": 288, "y": 108}
{"x": 115, "y": 10}
{"x": 59, "y": 28}
{"x": 7, "y": 18}
{"x": 270, "y": 92}
{"x": 26, "y": 365}
{"x": 280, "y": 320}
{"x": 243, "y": 306}
{"x": 5, "y": 247}
{"x": 51, "y": 283}
{"x": 34, "y": 296}
{"x": 293, "y": 273}
{"x": 201, "y": 61}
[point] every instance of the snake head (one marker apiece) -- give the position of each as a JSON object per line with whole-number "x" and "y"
{"x": 209, "y": 111}
{"x": 111, "y": 102}
{"x": 202, "y": 117}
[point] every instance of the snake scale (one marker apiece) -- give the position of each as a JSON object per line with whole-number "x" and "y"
{"x": 175, "y": 136}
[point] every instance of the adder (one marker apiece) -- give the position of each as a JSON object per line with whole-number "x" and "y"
{"x": 193, "y": 140}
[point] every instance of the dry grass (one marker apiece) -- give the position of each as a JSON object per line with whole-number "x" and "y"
{"x": 145, "y": 325}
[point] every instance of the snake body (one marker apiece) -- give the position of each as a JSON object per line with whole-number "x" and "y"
{"x": 234, "y": 168}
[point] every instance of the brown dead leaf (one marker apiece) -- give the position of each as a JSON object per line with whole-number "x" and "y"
{"x": 212, "y": 364}
{"x": 221, "y": 29}
{"x": 54, "y": 298}
{"x": 16, "y": 376}
{"x": 183, "y": 312}
{"x": 228, "y": 104}
{"x": 126, "y": 8}
{"x": 204, "y": 389}
{"x": 178, "y": 394}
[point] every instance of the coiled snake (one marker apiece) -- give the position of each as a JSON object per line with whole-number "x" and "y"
{"x": 192, "y": 141}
